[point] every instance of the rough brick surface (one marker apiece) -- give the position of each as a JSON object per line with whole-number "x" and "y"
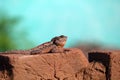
{"x": 94, "y": 71}
{"x": 49, "y": 66}
{"x": 70, "y": 65}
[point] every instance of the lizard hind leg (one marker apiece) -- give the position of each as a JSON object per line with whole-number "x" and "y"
{"x": 35, "y": 52}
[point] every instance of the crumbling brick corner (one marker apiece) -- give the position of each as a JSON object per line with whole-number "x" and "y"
{"x": 111, "y": 61}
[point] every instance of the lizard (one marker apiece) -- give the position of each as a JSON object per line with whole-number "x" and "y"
{"x": 55, "y": 45}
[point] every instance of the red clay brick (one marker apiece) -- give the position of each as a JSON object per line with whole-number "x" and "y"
{"x": 49, "y": 66}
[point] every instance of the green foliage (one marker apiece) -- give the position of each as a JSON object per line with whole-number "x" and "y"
{"x": 10, "y": 38}
{"x": 7, "y": 24}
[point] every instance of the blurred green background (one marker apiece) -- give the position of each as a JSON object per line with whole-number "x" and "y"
{"x": 28, "y": 23}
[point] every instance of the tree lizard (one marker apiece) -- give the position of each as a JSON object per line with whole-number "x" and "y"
{"x": 55, "y": 45}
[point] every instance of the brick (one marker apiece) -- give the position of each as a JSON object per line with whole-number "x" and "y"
{"x": 49, "y": 66}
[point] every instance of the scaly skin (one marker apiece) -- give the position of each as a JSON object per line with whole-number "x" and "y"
{"x": 55, "y": 43}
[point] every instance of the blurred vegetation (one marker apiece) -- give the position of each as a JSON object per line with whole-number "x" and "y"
{"x": 7, "y": 29}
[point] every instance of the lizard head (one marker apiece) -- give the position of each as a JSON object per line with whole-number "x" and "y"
{"x": 59, "y": 40}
